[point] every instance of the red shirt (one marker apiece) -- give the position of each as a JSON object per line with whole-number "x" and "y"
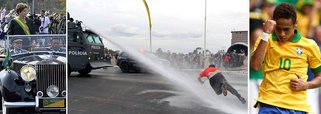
{"x": 227, "y": 58}
{"x": 208, "y": 71}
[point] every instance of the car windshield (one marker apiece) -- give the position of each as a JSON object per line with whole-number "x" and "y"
{"x": 18, "y": 44}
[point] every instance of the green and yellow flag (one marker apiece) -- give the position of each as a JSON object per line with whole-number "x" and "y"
{"x": 7, "y": 63}
{"x": 147, "y": 9}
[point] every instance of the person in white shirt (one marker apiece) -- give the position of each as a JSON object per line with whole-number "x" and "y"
{"x": 2, "y": 14}
{"x": 45, "y": 21}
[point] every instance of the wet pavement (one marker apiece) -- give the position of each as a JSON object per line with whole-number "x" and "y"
{"x": 109, "y": 91}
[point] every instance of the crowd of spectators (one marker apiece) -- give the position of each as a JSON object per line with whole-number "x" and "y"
{"x": 198, "y": 60}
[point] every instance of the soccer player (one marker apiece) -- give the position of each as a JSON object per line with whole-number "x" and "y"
{"x": 285, "y": 56}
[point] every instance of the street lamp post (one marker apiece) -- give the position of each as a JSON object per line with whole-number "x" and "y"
{"x": 204, "y": 52}
{"x": 205, "y": 28}
{"x": 33, "y": 7}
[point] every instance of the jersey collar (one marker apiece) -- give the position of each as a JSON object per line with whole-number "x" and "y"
{"x": 296, "y": 38}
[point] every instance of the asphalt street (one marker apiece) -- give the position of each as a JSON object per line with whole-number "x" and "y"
{"x": 109, "y": 91}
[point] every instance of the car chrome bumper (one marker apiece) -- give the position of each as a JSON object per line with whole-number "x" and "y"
{"x": 18, "y": 104}
{"x": 34, "y": 104}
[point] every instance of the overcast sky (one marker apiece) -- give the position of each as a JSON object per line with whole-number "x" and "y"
{"x": 178, "y": 25}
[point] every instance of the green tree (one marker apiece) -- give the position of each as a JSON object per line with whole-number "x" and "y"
{"x": 63, "y": 4}
{"x": 3, "y": 3}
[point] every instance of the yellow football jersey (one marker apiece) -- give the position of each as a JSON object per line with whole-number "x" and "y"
{"x": 282, "y": 60}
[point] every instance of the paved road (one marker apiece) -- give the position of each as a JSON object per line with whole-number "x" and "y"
{"x": 108, "y": 91}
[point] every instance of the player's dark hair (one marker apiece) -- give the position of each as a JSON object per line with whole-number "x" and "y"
{"x": 286, "y": 11}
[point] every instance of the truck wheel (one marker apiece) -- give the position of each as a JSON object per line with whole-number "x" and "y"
{"x": 85, "y": 71}
{"x": 124, "y": 67}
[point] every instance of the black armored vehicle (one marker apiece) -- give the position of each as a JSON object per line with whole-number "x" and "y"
{"x": 33, "y": 74}
{"x": 85, "y": 50}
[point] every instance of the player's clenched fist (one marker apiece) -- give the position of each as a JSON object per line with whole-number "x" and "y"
{"x": 268, "y": 26}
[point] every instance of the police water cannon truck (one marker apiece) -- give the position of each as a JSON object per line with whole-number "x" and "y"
{"x": 85, "y": 50}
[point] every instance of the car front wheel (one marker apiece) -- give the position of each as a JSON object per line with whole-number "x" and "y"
{"x": 124, "y": 67}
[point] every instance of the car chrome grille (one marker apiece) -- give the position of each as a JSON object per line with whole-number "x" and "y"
{"x": 52, "y": 74}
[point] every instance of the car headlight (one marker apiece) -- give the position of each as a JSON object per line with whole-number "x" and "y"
{"x": 52, "y": 91}
{"x": 28, "y": 73}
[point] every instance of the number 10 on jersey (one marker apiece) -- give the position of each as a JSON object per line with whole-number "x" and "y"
{"x": 285, "y": 63}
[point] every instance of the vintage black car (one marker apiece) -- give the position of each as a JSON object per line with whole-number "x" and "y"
{"x": 35, "y": 81}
